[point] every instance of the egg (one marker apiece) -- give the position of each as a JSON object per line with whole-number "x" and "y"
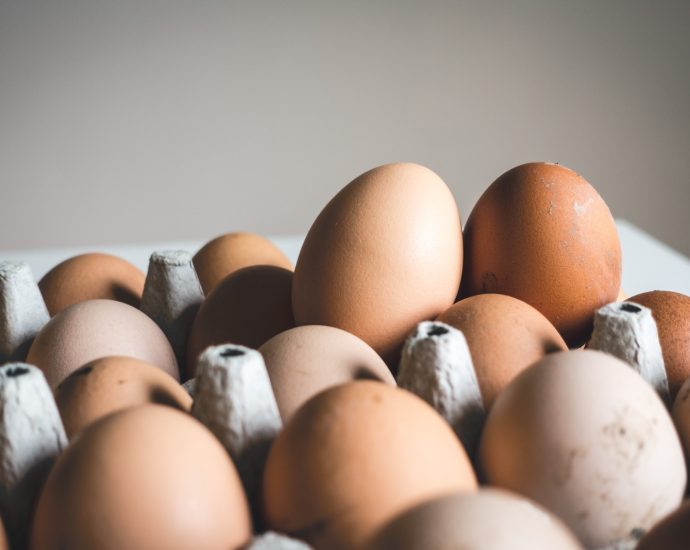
{"x": 505, "y": 335}
{"x": 112, "y": 383}
{"x": 584, "y": 435}
{"x": 94, "y": 329}
{"x": 488, "y": 519}
{"x": 303, "y": 361}
{"x": 680, "y": 412}
{"x": 4, "y": 545}
{"x": 146, "y": 477}
{"x": 248, "y": 307}
{"x": 384, "y": 254}
{"x": 671, "y": 311}
{"x": 353, "y": 457}
{"x": 541, "y": 233}
{"x": 90, "y": 277}
{"x": 227, "y": 253}
{"x": 672, "y": 533}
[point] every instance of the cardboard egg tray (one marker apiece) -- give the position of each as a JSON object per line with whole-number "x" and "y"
{"x": 172, "y": 288}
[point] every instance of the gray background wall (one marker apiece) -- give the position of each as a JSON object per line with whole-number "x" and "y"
{"x": 133, "y": 121}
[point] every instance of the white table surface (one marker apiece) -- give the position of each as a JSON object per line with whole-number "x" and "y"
{"x": 648, "y": 264}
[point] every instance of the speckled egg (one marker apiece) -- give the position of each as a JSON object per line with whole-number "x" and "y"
{"x": 581, "y": 433}
{"x": 112, "y": 383}
{"x": 541, "y": 233}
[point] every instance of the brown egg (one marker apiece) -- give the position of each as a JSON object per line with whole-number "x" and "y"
{"x": 250, "y": 306}
{"x": 223, "y": 255}
{"x": 112, "y": 383}
{"x": 505, "y": 335}
{"x": 541, "y": 233}
{"x": 584, "y": 435}
{"x": 4, "y": 545}
{"x": 672, "y": 533}
{"x": 89, "y": 277}
{"x": 680, "y": 413}
{"x": 146, "y": 477}
{"x": 488, "y": 519}
{"x": 355, "y": 456}
{"x": 303, "y": 361}
{"x": 94, "y": 329}
{"x": 384, "y": 254}
{"x": 671, "y": 311}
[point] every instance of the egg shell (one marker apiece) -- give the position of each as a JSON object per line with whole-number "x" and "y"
{"x": 89, "y": 277}
{"x": 227, "y": 253}
{"x": 3, "y": 538}
{"x": 505, "y": 335}
{"x": 671, "y": 311}
{"x": 672, "y": 533}
{"x": 680, "y": 412}
{"x": 109, "y": 384}
{"x": 353, "y": 457}
{"x": 303, "y": 361}
{"x": 94, "y": 329}
{"x": 489, "y": 518}
{"x": 146, "y": 477}
{"x": 247, "y": 308}
{"x": 384, "y": 254}
{"x": 541, "y": 233}
{"x": 584, "y": 435}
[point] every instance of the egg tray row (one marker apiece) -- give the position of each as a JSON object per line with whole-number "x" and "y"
{"x": 233, "y": 388}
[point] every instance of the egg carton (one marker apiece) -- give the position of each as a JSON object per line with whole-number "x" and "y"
{"x": 232, "y": 393}
{"x": 244, "y": 416}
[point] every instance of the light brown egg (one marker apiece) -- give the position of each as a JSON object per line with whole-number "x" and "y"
{"x": 94, "y": 329}
{"x": 671, "y": 311}
{"x": 227, "y": 253}
{"x": 353, "y": 457}
{"x": 541, "y": 233}
{"x": 303, "y": 361}
{"x": 4, "y": 545}
{"x": 146, "y": 477}
{"x": 248, "y": 307}
{"x": 488, "y": 519}
{"x": 112, "y": 383}
{"x": 384, "y": 254}
{"x": 90, "y": 277}
{"x": 584, "y": 435}
{"x": 505, "y": 335}
{"x": 672, "y": 533}
{"x": 680, "y": 412}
